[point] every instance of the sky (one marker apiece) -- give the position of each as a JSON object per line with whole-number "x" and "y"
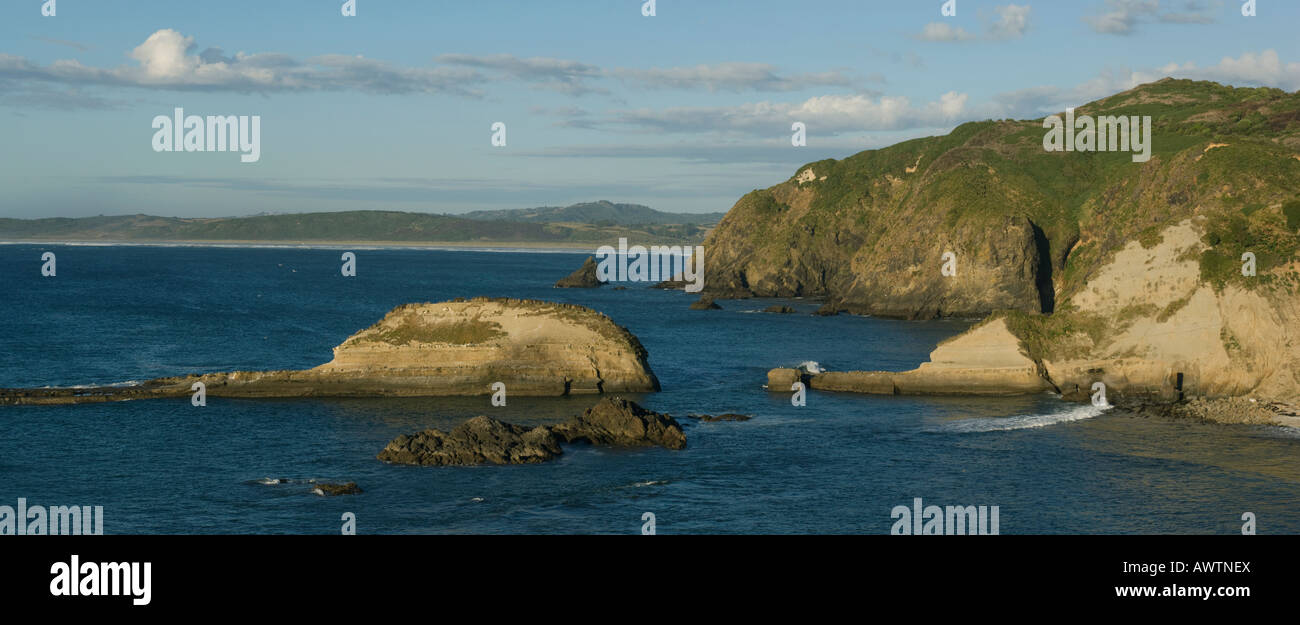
{"x": 685, "y": 110}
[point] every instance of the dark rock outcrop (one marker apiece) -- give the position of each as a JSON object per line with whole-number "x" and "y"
{"x": 780, "y": 310}
{"x": 483, "y": 440}
{"x": 583, "y": 278}
{"x": 326, "y": 489}
{"x": 705, "y": 303}
{"x": 829, "y": 309}
{"x": 618, "y": 422}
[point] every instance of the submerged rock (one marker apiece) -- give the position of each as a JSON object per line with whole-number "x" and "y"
{"x": 326, "y": 489}
{"x": 781, "y": 310}
{"x": 583, "y": 278}
{"x": 483, "y": 440}
{"x": 730, "y": 416}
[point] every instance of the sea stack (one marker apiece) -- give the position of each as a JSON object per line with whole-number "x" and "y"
{"x": 583, "y": 278}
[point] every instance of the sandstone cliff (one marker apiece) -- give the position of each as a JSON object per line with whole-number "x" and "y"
{"x": 1149, "y": 326}
{"x": 988, "y": 360}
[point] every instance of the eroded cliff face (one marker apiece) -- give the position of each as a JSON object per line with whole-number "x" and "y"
{"x": 459, "y": 347}
{"x": 987, "y": 360}
{"x": 1028, "y": 228}
{"x": 1150, "y": 326}
{"x": 884, "y": 258}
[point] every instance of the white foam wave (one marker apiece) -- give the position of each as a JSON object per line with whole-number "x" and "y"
{"x": 1021, "y": 422}
{"x": 811, "y": 366}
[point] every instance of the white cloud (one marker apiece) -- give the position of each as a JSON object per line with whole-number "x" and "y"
{"x": 942, "y": 32}
{"x": 732, "y": 77}
{"x": 828, "y": 114}
{"x": 169, "y": 60}
{"x": 1263, "y": 69}
{"x": 1011, "y": 23}
{"x": 573, "y": 77}
{"x": 166, "y": 60}
{"x": 165, "y": 55}
{"x": 556, "y": 74}
{"x": 1122, "y": 17}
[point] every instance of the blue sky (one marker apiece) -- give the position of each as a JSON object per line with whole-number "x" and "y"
{"x": 683, "y": 111}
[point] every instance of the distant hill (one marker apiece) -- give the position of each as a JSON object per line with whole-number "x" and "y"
{"x": 342, "y": 226}
{"x": 602, "y": 213}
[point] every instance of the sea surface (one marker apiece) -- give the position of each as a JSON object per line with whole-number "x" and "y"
{"x": 840, "y": 464}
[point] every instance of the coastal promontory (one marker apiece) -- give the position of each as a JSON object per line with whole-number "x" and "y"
{"x": 1166, "y": 280}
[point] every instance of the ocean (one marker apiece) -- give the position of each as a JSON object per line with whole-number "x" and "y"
{"x": 839, "y": 465}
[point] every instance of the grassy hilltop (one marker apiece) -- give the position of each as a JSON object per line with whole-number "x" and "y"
{"x": 1094, "y": 267}
{"x": 867, "y": 230}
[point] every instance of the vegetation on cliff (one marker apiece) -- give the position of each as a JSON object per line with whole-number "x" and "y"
{"x": 1165, "y": 279}
{"x": 1028, "y": 227}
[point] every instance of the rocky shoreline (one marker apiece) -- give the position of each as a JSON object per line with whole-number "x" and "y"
{"x": 985, "y": 361}
{"x": 1226, "y": 410}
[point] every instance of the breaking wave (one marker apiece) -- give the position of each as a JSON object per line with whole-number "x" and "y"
{"x": 1021, "y": 422}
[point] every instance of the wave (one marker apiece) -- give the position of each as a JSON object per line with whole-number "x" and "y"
{"x": 279, "y": 481}
{"x": 270, "y": 481}
{"x": 811, "y": 366}
{"x": 1021, "y": 422}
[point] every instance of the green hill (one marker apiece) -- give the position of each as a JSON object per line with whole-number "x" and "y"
{"x": 602, "y": 212}
{"x": 387, "y": 226}
{"x": 1093, "y": 267}
{"x": 865, "y": 231}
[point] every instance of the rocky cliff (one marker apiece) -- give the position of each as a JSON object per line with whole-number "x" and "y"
{"x": 1169, "y": 279}
{"x": 1149, "y": 326}
{"x": 1026, "y": 227}
{"x": 460, "y": 347}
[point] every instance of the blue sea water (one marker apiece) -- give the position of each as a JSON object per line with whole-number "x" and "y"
{"x": 838, "y": 465}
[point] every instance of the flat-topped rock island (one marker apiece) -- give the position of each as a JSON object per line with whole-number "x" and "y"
{"x": 459, "y": 347}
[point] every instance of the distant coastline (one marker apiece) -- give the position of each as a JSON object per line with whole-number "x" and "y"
{"x": 460, "y": 246}
{"x": 578, "y": 227}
